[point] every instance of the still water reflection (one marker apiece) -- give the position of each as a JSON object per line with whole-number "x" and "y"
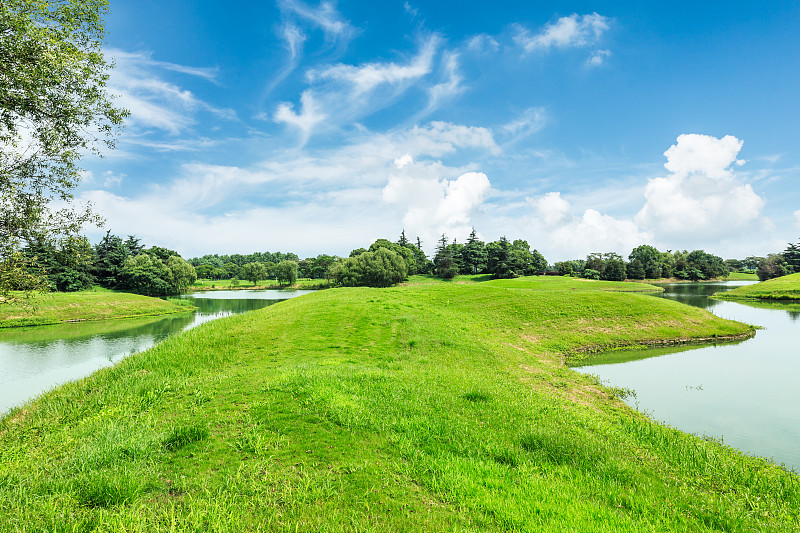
{"x": 745, "y": 394}
{"x": 35, "y": 359}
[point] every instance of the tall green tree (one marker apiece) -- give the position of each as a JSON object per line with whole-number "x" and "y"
{"x": 286, "y": 272}
{"x": 792, "y": 257}
{"x": 254, "y": 272}
{"x": 443, "y": 260}
{"x": 474, "y": 254}
{"x": 53, "y": 108}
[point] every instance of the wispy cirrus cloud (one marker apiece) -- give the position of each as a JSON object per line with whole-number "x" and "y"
{"x": 340, "y": 94}
{"x": 154, "y": 102}
{"x": 324, "y": 16}
{"x": 567, "y": 32}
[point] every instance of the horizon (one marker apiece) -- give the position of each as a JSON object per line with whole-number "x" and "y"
{"x": 317, "y": 128}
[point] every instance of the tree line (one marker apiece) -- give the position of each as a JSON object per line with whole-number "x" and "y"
{"x": 778, "y": 264}
{"x": 73, "y": 264}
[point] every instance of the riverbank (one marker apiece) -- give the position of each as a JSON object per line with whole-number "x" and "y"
{"x": 426, "y": 407}
{"x": 228, "y": 285}
{"x": 99, "y": 304}
{"x": 782, "y": 288}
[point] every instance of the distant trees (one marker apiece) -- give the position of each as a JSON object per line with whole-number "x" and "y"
{"x": 773, "y": 266}
{"x": 380, "y": 268}
{"x": 286, "y": 272}
{"x": 148, "y": 274}
{"x": 254, "y": 272}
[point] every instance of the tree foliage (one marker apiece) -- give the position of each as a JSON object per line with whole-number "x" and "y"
{"x": 286, "y": 272}
{"x": 381, "y": 268}
{"x": 53, "y": 108}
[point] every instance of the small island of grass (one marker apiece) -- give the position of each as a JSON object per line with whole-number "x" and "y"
{"x": 782, "y": 288}
{"x": 426, "y": 407}
{"x": 97, "y": 304}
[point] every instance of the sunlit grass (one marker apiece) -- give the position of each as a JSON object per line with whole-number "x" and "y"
{"x": 782, "y": 288}
{"x": 436, "y": 407}
{"x": 57, "y": 307}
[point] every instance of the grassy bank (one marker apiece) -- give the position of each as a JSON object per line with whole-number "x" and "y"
{"x": 741, "y": 276}
{"x": 57, "y": 307}
{"x": 269, "y": 284}
{"x": 431, "y": 407}
{"x": 783, "y": 288}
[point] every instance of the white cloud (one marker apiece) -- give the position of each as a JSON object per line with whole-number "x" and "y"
{"x": 110, "y": 179}
{"x": 482, "y": 43}
{"x": 572, "y": 31}
{"x": 527, "y": 123}
{"x": 598, "y": 58}
{"x": 797, "y": 218}
{"x": 153, "y": 102}
{"x": 701, "y": 199}
{"x": 432, "y": 205}
{"x": 365, "y": 78}
{"x": 325, "y": 17}
{"x": 561, "y": 235}
{"x": 448, "y": 89}
{"x": 308, "y": 117}
{"x": 294, "y": 38}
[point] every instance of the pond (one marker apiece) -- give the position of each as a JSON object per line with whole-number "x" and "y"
{"x": 35, "y": 359}
{"x": 744, "y": 394}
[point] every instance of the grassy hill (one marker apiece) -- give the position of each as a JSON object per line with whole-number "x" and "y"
{"x": 427, "y": 407}
{"x": 782, "y": 288}
{"x": 98, "y": 304}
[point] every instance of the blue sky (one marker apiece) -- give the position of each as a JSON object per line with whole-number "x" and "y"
{"x": 580, "y": 126}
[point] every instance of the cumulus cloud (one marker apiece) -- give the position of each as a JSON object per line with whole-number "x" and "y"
{"x": 567, "y": 32}
{"x": 797, "y": 218}
{"x": 433, "y": 206}
{"x": 701, "y": 197}
{"x": 565, "y": 235}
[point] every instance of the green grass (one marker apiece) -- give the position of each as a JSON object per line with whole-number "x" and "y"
{"x": 741, "y": 276}
{"x": 225, "y": 284}
{"x": 57, "y": 307}
{"x": 432, "y": 407}
{"x": 783, "y": 288}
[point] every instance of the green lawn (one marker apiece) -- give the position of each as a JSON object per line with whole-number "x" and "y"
{"x": 783, "y": 288}
{"x": 100, "y": 304}
{"x": 426, "y": 407}
{"x": 303, "y": 283}
{"x": 741, "y": 276}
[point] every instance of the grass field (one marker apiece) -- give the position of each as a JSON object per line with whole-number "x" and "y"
{"x": 427, "y": 407}
{"x": 100, "y": 304}
{"x": 741, "y": 276}
{"x": 783, "y": 288}
{"x": 225, "y": 284}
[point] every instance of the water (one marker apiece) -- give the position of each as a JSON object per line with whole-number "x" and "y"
{"x": 744, "y": 394}
{"x": 36, "y": 359}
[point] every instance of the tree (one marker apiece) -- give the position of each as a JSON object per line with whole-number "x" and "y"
{"x": 792, "y": 257}
{"x": 614, "y": 267}
{"x": 286, "y": 272}
{"x": 53, "y": 107}
{"x": 254, "y": 272}
{"x": 499, "y": 260}
{"x": 111, "y": 254}
{"x": 474, "y": 255}
{"x": 649, "y": 261}
{"x": 381, "y": 268}
{"x": 443, "y": 260}
{"x": 773, "y": 266}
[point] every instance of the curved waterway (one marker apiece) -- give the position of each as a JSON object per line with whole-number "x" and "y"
{"x": 744, "y": 394}
{"x": 36, "y": 359}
